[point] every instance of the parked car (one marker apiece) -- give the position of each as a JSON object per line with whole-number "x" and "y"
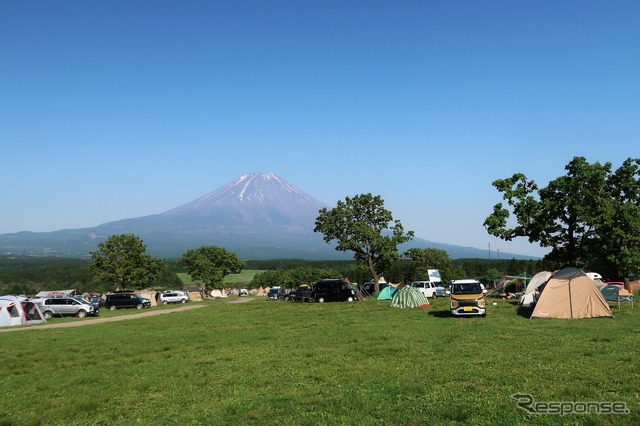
{"x": 243, "y": 292}
{"x": 64, "y": 306}
{"x": 467, "y": 298}
{"x": 275, "y": 293}
{"x": 92, "y": 302}
{"x": 126, "y": 300}
{"x": 97, "y": 301}
{"x": 369, "y": 288}
{"x": 431, "y": 289}
{"x": 174, "y": 297}
{"x": 332, "y": 290}
{"x": 300, "y": 294}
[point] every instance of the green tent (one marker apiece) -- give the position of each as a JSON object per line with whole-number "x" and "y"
{"x": 409, "y": 297}
{"x": 610, "y": 292}
{"x": 387, "y": 293}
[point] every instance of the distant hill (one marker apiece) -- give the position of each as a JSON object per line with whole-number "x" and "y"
{"x": 258, "y": 216}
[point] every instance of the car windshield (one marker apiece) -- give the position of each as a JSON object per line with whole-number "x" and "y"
{"x": 468, "y": 288}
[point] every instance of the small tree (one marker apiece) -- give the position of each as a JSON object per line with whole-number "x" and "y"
{"x": 429, "y": 258}
{"x": 210, "y": 265}
{"x": 358, "y": 225}
{"x": 121, "y": 260}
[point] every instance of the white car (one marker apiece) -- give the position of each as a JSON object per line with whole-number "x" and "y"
{"x": 429, "y": 288}
{"x": 174, "y": 297}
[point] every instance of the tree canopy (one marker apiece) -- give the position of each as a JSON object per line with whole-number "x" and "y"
{"x": 590, "y": 217}
{"x": 362, "y": 225}
{"x": 121, "y": 260}
{"x": 424, "y": 259}
{"x": 210, "y": 264}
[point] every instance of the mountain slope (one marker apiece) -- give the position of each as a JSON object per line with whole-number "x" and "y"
{"x": 257, "y": 216}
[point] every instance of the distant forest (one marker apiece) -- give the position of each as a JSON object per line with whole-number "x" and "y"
{"x": 29, "y": 275}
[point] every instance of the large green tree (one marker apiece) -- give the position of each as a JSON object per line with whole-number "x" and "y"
{"x": 121, "y": 260}
{"x": 424, "y": 259}
{"x": 362, "y": 225}
{"x": 590, "y": 218}
{"x": 210, "y": 264}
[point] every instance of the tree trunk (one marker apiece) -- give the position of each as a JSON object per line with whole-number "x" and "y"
{"x": 374, "y": 274}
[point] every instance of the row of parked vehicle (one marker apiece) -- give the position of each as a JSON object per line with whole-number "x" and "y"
{"x": 79, "y": 307}
{"x": 329, "y": 290}
{"x": 467, "y": 297}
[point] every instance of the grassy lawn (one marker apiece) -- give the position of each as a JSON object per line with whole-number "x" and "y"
{"x": 272, "y": 362}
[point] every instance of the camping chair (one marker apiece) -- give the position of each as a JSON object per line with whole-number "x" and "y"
{"x": 625, "y": 295}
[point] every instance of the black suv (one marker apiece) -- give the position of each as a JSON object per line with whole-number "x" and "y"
{"x": 126, "y": 300}
{"x": 333, "y": 290}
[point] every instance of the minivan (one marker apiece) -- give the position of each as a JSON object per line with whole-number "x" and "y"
{"x": 467, "y": 298}
{"x": 61, "y": 306}
{"x": 430, "y": 288}
{"x": 332, "y": 290}
{"x": 126, "y": 300}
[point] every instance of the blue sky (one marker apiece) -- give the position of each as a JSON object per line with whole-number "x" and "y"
{"x": 119, "y": 109}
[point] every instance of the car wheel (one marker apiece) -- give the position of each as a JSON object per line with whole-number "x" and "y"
{"x": 48, "y": 315}
{"x": 139, "y": 306}
{"x": 321, "y": 300}
{"x": 112, "y": 308}
{"x": 164, "y": 302}
{"x": 183, "y": 301}
{"x": 350, "y": 299}
{"x": 81, "y": 313}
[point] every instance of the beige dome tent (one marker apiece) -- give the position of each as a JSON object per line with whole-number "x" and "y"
{"x": 570, "y": 293}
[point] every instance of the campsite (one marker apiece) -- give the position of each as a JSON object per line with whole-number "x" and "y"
{"x": 308, "y": 363}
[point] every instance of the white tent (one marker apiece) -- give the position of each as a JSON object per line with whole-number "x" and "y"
{"x": 528, "y": 299}
{"x": 15, "y": 310}
{"x": 216, "y": 294}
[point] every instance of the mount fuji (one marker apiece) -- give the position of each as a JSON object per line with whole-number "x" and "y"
{"x": 257, "y": 216}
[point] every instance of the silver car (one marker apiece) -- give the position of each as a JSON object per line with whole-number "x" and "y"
{"x": 64, "y": 306}
{"x": 174, "y": 297}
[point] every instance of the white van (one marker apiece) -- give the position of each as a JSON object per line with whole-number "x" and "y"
{"x": 430, "y": 288}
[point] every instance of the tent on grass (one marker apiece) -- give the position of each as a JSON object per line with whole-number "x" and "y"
{"x": 387, "y": 293}
{"x": 570, "y": 293}
{"x": 409, "y": 297}
{"x": 528, "y": 299}
{"x": 218, "y": 294}
{"x": 610, "y": 292}
{"x": 15, "y": 310}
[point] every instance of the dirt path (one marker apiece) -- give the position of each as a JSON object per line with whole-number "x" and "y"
{"x": 90, "y": 321}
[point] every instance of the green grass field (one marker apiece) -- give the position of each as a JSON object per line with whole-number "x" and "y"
{"x": 364, "y": 363}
